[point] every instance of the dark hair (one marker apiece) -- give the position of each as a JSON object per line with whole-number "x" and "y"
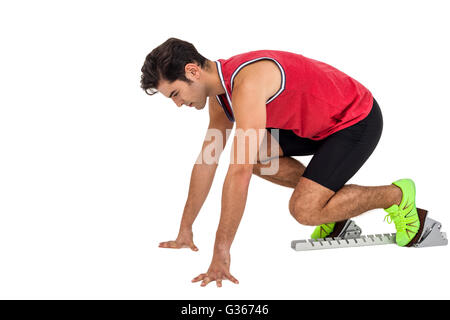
{"x": 167, "y": 61}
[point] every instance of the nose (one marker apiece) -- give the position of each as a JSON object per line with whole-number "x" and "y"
{"x": 177, "y": 102}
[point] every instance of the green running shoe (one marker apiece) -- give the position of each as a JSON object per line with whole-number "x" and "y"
{"x": 405, "y": 215}
{"x": 322, "y": 231}
{"x": 329, "y": 230}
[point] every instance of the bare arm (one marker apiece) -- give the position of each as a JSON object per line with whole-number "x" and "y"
{"x": 205, "y": 167}
{"x": 202, "y": 174}
{"x": 235, "y": 189}
{"x": 252, "y": 87}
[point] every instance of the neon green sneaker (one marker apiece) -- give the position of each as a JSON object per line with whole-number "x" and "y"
{"x": 322, "y": 231}
{"x": 405, "y": 215}
{"x": 329, "y": 230}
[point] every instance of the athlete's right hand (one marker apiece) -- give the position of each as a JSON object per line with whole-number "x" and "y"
{"x": 184, "y": 240}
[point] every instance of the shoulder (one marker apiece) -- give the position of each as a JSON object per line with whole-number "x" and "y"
{"x": 262, "y": 76}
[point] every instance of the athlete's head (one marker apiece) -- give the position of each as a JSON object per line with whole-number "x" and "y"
{"x": 175, "y": 69}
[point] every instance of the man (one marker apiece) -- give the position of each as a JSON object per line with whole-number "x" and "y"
{"x": 316, "y": 109}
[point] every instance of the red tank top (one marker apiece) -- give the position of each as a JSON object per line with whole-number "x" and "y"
{"x": 314, "y": 100}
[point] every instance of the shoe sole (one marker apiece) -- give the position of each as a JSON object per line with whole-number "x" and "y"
{"x": 422, "y": 213}
{"x": 337, "y": 229}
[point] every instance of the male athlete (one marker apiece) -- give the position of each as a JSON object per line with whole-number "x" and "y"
{"x": 318, "y": 110}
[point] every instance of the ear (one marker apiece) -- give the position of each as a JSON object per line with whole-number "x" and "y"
{"x": 192, "y": 71}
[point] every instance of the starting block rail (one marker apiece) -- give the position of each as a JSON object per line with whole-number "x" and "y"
{"x": 350, "y": 236}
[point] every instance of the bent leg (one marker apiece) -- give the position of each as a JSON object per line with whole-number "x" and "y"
{"x": 290, "y": 170}
{"x": 313, "y": 204}
{"x": 322, "y": 195}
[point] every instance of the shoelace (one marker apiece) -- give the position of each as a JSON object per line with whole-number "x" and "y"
{"x": 399, "y": 224}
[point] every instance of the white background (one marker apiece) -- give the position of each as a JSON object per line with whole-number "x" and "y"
{"x": 94, "y": 173}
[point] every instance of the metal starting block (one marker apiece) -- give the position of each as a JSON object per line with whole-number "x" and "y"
{"x": 350, "y": 236}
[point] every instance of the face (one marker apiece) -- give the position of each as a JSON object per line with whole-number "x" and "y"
{"x": 183, "y": 93}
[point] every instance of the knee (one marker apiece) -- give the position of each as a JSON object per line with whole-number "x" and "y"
{"x": 302, "y": 213}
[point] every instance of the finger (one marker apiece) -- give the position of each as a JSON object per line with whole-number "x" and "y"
{"x": 173, "y": 244}
{"x": 206, "y": 280}
{"x": 232, "y": 279}
{"x": 219, "y": 283}
{"x": 167, "y": 244}
{"x": 194, "y": 248}
{"x": 198, "y": 278}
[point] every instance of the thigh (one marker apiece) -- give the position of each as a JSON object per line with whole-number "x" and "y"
{"x": 343, "y": 153}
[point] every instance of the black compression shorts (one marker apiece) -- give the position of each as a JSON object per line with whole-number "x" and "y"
{"x": 339, "y": 156}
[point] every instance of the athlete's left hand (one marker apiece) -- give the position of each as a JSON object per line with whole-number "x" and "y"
{"x": 218, "y": 270}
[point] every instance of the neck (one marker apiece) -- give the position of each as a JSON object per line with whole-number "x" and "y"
{"x": 213, "y": 83}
